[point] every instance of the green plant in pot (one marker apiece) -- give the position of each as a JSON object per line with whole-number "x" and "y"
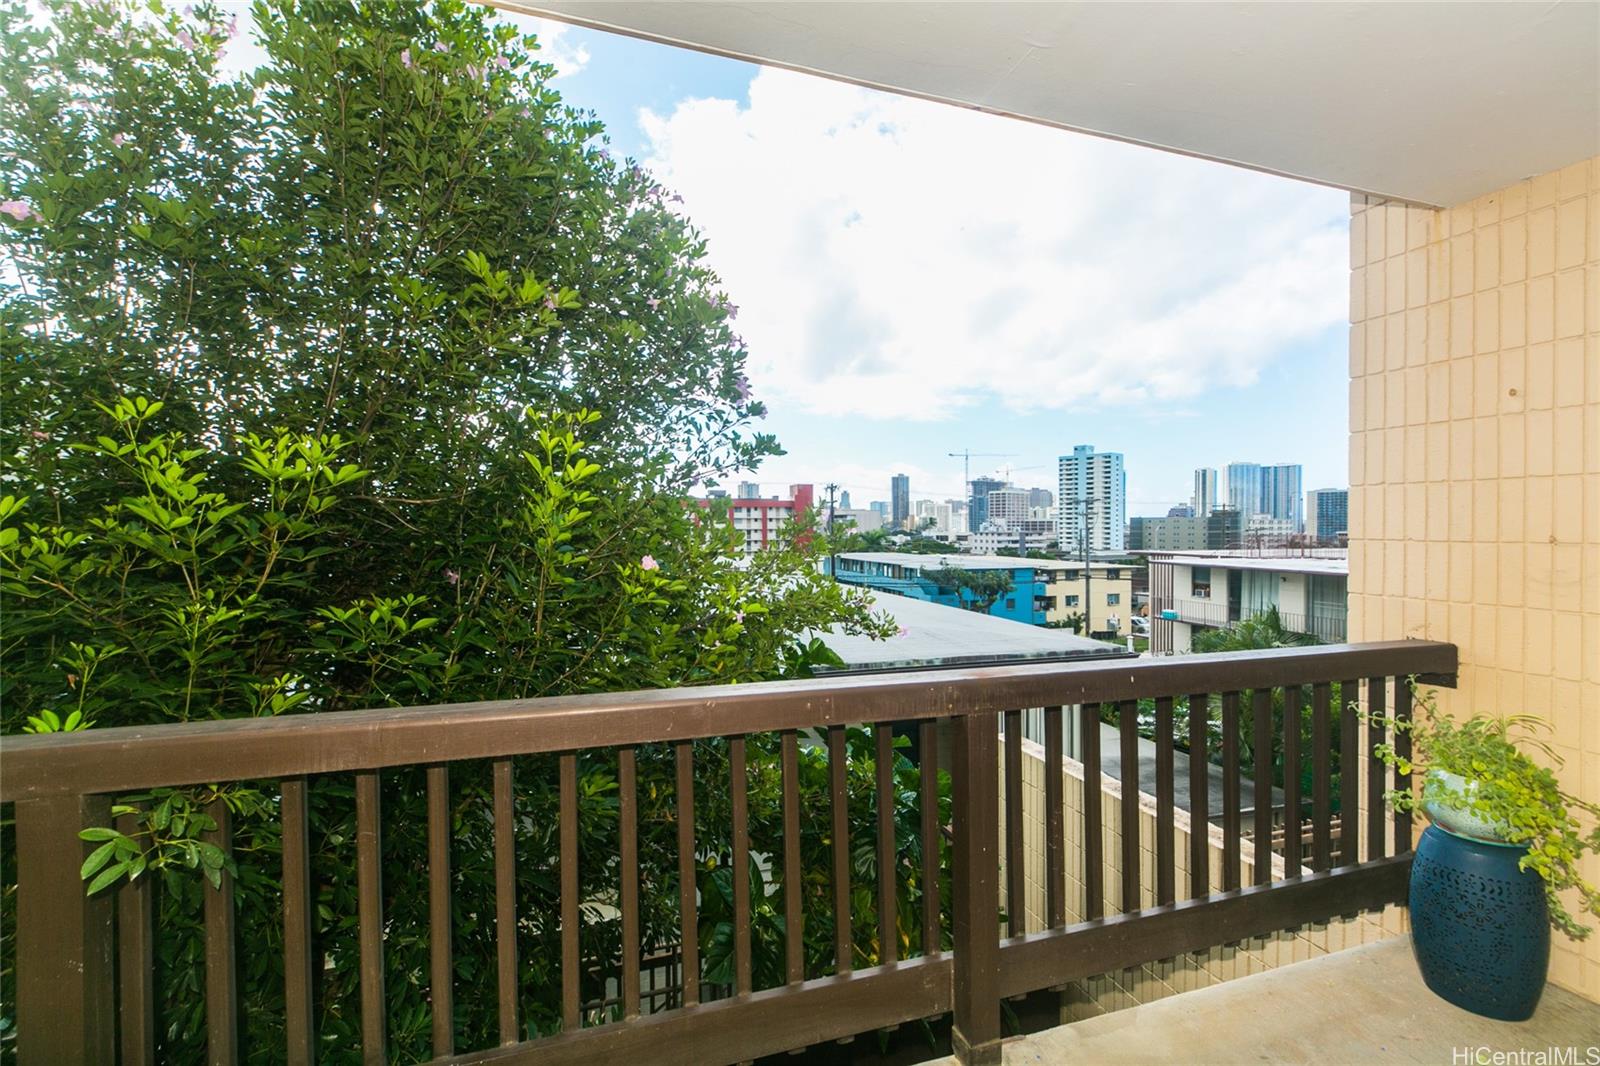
{"x": 1489, "y": 874}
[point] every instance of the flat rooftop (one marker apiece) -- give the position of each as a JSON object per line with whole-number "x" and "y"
{"x": 1336, "y": 566}
{"x": 975, "y": 562}
{"x": 936, "y": 635}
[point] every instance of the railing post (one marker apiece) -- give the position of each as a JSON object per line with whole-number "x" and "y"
{"x": 66, "y": 999}
{"x": 975, "y": 1037}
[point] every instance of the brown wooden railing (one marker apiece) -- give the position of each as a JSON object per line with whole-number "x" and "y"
{"x": 84, "y": 977}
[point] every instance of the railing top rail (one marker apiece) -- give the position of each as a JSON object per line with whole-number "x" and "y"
{"x": 140, "y": 757}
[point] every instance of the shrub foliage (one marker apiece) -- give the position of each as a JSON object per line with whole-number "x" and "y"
{"x": 370, "y": 378}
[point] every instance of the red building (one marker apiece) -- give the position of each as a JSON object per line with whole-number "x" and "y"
{"x": 759, "y": 520}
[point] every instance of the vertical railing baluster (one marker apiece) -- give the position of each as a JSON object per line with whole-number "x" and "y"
{"x": 1016, "y": 904}
{"x": 1402, "y": 748}
{"x": 838, "y": 788}
{"x": 1377, "y": 772}
{"x": 741, "y": 866}
{"x": 688, "y": 906}
{"x": 1291, "y": 781}
{"x": 1128, "y": 752}
{"x": 66, "y": 977}
{"x": 1093, "y": 822}
{"x": 928, "y": 782}
{"x": 222, "y": 973}
{"x": 505, "y": 900}
{"x": 571, "y": 952}
{"x": 1199, "y": 797}
{"x": 1349, "y": 774}
{"x": 1261, "y": 711}
{"x": 1166, "y": 801}
{"x": 975, "y": 1033}
{"x": 298, "y": 970}
{"x": 369, "y": 916}
{"x": 628, "y": 854}
{"x": 794, "y": 939}
{"x": 136, "y": 959}
{"x": 1055, "y": 819}
{"x": 1231, "y": 788}
{"x": 1321, "y": 777}
{"x": 883, "y": 769}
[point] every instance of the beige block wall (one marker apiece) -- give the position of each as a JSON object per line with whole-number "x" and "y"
{"x": 1145, "y": 984}
{"x": 1475, "y": 456}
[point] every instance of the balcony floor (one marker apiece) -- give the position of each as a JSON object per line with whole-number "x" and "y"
{"x": 1365, "y": 1005}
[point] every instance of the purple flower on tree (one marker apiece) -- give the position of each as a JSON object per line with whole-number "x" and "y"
{"x": 741, "y": 385}
{"x": 902, "y": 632}
{"x": 405, "y": 58}
{"x": 653, "y": 302}
{"x": 452, "y": 576}
{"x": 649, "y": 563}
{"x": 21, "y": 210}
{"x": 502, "y": 63}
{"x": 187, "y": 41}
{"x": 119, "y": 139}
{"x": 441, "y": 46}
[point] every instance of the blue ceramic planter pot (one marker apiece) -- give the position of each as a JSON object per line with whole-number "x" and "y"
{"x": 1479, "y": 925}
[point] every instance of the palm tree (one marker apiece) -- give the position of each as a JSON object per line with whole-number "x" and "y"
{"x": 1264, "y": 630}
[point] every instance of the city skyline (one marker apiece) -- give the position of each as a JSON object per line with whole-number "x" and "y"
{"x": 1216, "y": 324}
{"x": 1289, "y": 495}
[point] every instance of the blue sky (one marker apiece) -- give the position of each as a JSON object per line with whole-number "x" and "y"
{"x": 915, "y": 279}
{"x": 1273, "y": 392}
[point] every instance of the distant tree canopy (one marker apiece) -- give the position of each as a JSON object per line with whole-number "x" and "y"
{"x": 979, "y": 589}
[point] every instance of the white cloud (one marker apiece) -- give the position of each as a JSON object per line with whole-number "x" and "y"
{"x": 896, "y": 258}
{"x": 556, "y": 46}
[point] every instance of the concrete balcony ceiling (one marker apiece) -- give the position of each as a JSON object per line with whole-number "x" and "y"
{"x": 1431, "y": 103}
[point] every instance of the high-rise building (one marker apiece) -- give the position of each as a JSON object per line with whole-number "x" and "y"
{"x": 844, "y": 500}
{"x": 1093, "y": 484}
{"x": 1244, "y": 487}
{"x": 1272, "y": 490}
{"x": 749, "y": 490}
{"x": 1008, "y": 505}
{"x": 1281, "y": 496}
{"x": 978, "y": 502}
{"x": 881, "y": 506}
{"x": 900, "y": 501}
{"x": 1224, "y": 529}
{"x": 1041, "y": 498}
{"x": 1327, "y": 513}
{"x": 1204, "y": 500}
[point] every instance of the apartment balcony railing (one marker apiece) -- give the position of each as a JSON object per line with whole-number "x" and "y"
{"x": 1198, "y": 611}
{"x": 1327, "y": 625}
{"x": 84, "y": 965}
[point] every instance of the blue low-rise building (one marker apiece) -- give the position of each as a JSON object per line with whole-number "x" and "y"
{"x": 907, "y": 575}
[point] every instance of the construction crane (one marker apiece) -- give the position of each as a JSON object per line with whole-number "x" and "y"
{"x": 966, "y": 476}
{"x": 966, "y": 458}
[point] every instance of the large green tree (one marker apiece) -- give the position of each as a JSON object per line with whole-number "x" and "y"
{"x": 371, "y": 378}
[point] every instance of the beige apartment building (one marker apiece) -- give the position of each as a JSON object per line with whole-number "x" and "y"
{"x": 1102, "y": 591}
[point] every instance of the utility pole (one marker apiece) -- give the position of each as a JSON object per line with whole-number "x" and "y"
{"x": 833, "y": 553}
{"x": 1088, "y": 608}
